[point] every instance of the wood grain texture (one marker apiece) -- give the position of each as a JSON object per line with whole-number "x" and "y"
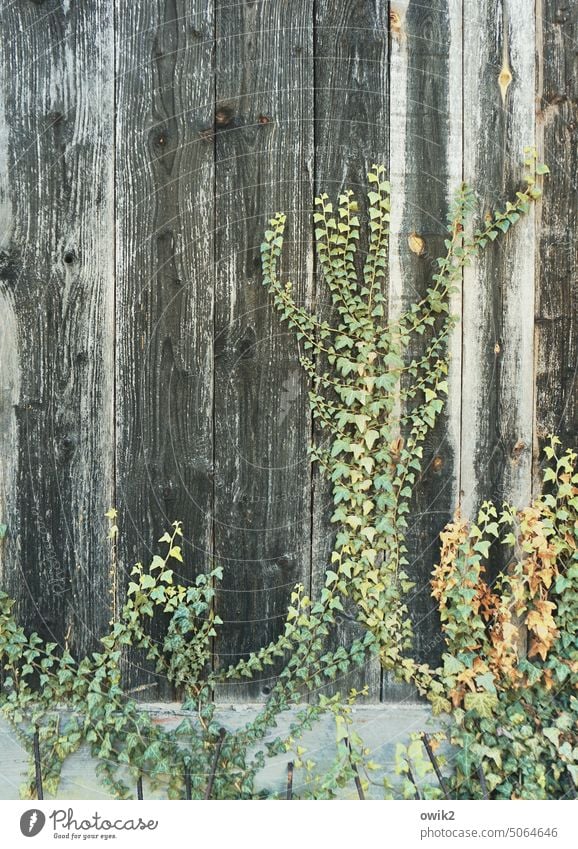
{"x": 556, "y": 328}
{"x": 164, "y": 265}
{"x": 351, "y": 134}
{"x": 263, "y": 145}
{"x": 56, "y": 299}
{"x": 10, "y": 371}
{"x": 425, "y": 169}
{"x": 142, "y": 148}
{"x": 497, "y": 387}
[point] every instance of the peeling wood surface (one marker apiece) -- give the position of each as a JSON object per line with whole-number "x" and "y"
{"x": 498, "y": 291}
{"x": 425, "y": 160}
{"x": 142, "y": 148}
{"x": 164, "y": 305}
{"x": 556, "y": 325}
{"x": 57, "y": 305}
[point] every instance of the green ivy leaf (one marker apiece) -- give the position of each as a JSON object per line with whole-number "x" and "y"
{"x": 483, "y": 704}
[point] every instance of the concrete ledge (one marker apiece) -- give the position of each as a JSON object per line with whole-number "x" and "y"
{"x": 380, "y": 726}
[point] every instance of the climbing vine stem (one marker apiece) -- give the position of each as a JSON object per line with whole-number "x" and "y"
{"x": 374, "y": 404}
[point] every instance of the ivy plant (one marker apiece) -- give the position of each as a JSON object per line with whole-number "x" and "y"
{"x": 374, "y": 401}
{"x": 510, "y": 668}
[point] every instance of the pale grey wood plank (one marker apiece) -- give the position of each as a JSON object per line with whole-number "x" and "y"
{"x": 498, "y": 382}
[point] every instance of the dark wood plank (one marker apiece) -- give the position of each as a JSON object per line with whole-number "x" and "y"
{"x": 498, "y": 312}
{"x": 557, "y": 246}
{"x": 164, "y": 265}
{"x": 351, "y": 134}
{"x": 56, "y": 296}
{"x": 264, "y": 134}
{"x": 425, "y": 167}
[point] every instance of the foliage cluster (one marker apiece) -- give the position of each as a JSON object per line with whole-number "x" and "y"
{"x": 374, "y": 401}
{"x": 511, "y": 665}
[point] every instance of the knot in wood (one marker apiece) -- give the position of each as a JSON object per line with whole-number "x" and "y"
{"x": 518, "y": 449}
{"x": 395, "y": 23}
{"x": 562, "y": 15}
{"x": 160, "y": 137}
{"x": 416, "y": 244}
{"x": 246, "y": 346}
{"x": 437, "y": 463}
{"x": 223, "y": 116}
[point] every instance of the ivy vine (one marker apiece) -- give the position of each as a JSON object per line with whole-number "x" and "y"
{"x": 374, "y": 402}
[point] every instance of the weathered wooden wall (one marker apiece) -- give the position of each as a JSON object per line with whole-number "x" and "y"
{"x": 142, "y": 148}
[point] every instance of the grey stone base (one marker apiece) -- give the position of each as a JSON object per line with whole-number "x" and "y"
{"x": 380, "y": 726}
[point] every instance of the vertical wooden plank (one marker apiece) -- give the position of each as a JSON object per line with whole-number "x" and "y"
{"x": 56, "y": 294}
{"x": 425, "y": 169}
{"x": 263, "y": 143}
{"x": 351, "y": 134}
{"x": 556, "y": 331}
{"x": 498, "y": 383}
{"x": 164, "y": 256}
{"x": 10, "y": 375}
